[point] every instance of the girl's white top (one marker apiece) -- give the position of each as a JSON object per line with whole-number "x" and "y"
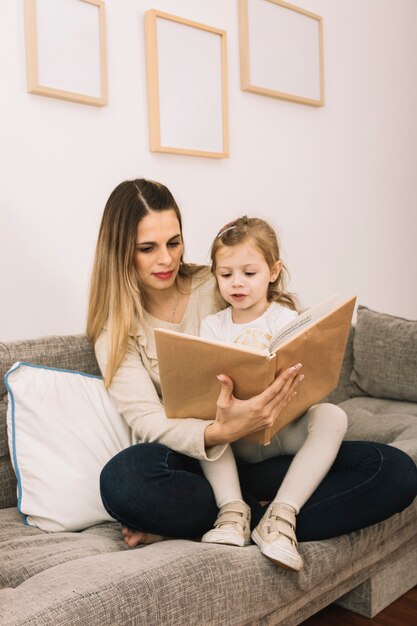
{"x": 256, "y": 334}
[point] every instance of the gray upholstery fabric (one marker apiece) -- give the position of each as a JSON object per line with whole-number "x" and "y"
{"x": 385, "y": 356}
{"x": 91, "y": 577}
{"x": 342, "y": 391}
{"x": 182, "y": 583}
{"x": 27, "y": 551}
{"x": 8, "y": 483}
{"x": 386, "y": 421}
{"x": 356, "y": 575}
{"x": 390, "y": 582}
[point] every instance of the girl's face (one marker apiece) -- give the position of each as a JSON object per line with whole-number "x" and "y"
{"x": 158, "y": 250}
{"x": 243, "y": 277}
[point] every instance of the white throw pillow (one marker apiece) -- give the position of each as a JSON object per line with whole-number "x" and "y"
{"x": 62, "y": 429}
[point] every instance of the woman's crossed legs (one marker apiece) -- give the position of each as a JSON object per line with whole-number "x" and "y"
{"x": 150, "y": 488}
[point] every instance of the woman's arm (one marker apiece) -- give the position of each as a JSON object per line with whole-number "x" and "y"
{"x": 138, "y": 402}
{"x": 238, "y": 418}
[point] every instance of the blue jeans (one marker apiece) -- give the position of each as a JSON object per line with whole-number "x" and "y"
{"x": 151, "y": 488}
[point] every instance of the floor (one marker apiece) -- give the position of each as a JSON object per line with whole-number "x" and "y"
{"x": 402, "y": 612}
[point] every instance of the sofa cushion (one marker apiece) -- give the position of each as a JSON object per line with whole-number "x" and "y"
{"x": 183, "y": 583}
{"x": 62, "y": 429}
{"x": 26, "y": 551}
{"x": 384, "y": 356}
{"x": 387, "y": 421}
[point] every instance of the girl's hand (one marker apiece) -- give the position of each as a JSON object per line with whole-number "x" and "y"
{"x": 238, "y": 418}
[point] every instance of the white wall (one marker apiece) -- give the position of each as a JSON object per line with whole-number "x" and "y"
{"x": 339, "y": 182}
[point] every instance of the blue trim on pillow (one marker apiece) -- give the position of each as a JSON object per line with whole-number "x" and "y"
{"x": 10, "y": 392}
{"x": 54, "y": 369}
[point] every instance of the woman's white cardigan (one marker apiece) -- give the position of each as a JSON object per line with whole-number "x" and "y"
{"x": 136, "y": 388}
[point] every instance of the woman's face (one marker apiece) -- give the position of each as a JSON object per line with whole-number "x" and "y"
{"x": 158, "y": 250}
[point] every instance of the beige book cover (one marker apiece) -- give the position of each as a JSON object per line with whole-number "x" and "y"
{"x": 189, "y": 365}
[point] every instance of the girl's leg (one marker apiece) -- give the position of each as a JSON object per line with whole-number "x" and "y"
{"x": 223, "y": 478}
{"x": 315, "y": 440}
{"x": 367, "y": 483}
{"x": 232, "y": 525}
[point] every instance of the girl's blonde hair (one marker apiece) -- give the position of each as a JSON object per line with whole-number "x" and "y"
{"x": 116, "y": 295}
{"x": 265, "y": 239}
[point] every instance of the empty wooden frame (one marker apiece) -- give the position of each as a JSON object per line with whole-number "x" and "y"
{"x": 187, "y": 86}
{"x": 66, "y": 50}
{"x": 281, "y": 51}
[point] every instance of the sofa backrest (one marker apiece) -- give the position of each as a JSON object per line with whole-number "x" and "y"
{"x": 72, "y": 352}
{"x": 343, "y": 390}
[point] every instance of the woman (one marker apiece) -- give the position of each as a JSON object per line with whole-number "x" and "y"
{"x": 156, "y": 488}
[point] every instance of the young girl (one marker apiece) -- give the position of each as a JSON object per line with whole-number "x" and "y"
{"x": 246, "y": 263}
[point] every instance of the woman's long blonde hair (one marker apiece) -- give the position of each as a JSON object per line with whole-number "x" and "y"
{"x": 265, "y": 239}
{"x": 116, "y": 296}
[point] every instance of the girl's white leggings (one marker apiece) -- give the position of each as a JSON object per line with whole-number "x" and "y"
{"x": 314, "y": 439}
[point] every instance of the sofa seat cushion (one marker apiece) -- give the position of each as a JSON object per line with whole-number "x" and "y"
{"x": 386, "y": 421}
{"x": 27, "y": 551}
{"x": 183, "y": 583}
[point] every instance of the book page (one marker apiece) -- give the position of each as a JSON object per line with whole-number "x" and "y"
{"x": 304, "y": 319}
{"x": 224, "y": 344}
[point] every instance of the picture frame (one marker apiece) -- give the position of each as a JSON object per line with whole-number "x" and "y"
{"x": 294, "y": 38}
{"x": 68, "y": 61}
{"x": 186, "y": 71}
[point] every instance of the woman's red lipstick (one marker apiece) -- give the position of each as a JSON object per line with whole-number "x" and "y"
{"x": 164, "y": 275}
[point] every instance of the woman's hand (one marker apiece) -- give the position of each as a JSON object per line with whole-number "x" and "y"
{"x": 238, "y": 418}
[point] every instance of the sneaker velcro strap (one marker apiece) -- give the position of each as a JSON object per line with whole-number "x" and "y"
{"x": 281, "y": 526}
{"x": 237, "y": 507}
{"x": 227, "y": 517}
{"x": 282, "y": 512}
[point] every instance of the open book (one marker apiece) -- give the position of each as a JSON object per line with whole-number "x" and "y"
{"x": 189, "y": 365}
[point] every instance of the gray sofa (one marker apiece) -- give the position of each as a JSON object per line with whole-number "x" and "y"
{"x": 91, "y": 577}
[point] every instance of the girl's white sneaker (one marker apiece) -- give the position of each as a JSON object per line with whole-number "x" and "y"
{"x": 275, "y": 536}
{"x": 232, "y": 526}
